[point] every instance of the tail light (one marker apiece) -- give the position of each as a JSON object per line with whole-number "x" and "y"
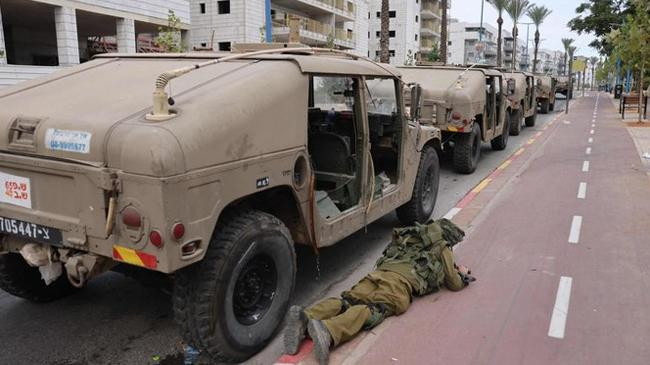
{"x": 131, "y": 217}
{"x": 178, "y": 231}
{"x": 156, "y": 238}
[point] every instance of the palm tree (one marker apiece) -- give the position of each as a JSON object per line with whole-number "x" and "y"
{"x": 537, "y": 14}
{"x": 566, "y": 42}
{"x": 516, "y": 9}
{"x": 500, "y": 6}
{"x": 571, "y": 51}
{"x": 384, "y": 54}
{"x": 443, "y": 33}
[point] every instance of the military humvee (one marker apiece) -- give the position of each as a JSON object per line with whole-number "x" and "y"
{"x": 235, "y": 160}
{"x": 523, "y": 103}
{"x": 546, "y": 88}
{"x": 467, "y": 104}
{"x": 562, "y": 86}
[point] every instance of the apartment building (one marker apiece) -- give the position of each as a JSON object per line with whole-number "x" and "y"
{"x": 470, "y": 43}
{"x": 414, "y": 27}
{"x": 321, "y": 23}
{"x": 39, "y": 36}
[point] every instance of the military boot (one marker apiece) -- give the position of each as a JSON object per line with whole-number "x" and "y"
{"x": 295, "y": 330}
{"x": 322, "y": 340}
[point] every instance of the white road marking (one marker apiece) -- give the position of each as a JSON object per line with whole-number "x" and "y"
{"x": 582, "y": 190}
{"x": 451, "y": 213}
{"x": 593, "y": 126}
{"x": 561, "y": 308}
{"x": 576, "y": 223}
{"x": 591, "y": 131}
{"x": 590, "y": 140}
{"x": 585, "y": 166}
{"x": 588, "y": 151}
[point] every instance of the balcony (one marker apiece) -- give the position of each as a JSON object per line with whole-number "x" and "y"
{"x": 342, "y": 8}
{"x": 430, "y": 10}
{"x": 312, "y": 32}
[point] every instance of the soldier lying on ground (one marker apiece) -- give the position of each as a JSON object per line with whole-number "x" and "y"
{"x": 418, "y": 261}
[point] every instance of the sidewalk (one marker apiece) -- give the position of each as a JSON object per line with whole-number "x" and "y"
{"x": 558, "y": 238}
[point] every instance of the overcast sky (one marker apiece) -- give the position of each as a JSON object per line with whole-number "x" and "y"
{"x": 552, "y": 30}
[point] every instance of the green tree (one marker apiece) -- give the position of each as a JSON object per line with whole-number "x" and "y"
{"x": 631, "y": 43}
{"x": 384, "y": 36}
{"x": 169, "y": 36}
{"x": 537, "y": 14}
{"x": 566, "y": 42}
{"x": 500, "y": 6}
{"x": 600, "y": 17}
{"x": 443, "y": 32}
{"x": 434, "y": 55}
{"x": 516, "y": 9}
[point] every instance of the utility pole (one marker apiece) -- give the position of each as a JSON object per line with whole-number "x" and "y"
{"x": 269, "y": 25}
{"x": 527, "y": 43}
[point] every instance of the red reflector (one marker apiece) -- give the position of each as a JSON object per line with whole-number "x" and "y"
{"x": 178, "y": 231}
{"x": 131, "y": 217}
{"x": 156, "y": 238}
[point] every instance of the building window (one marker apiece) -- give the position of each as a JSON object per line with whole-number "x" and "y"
{"x": 416, "y": 37}
{"x": 391, "y": 33}
{"x": 379, "y": 14}
{"x": 368, "y": 35}
{"x": 417, "y": 18}
{"x": 377, "y": 34}
{"x": 202, "y": 8}
{"x": 224, "y": 46}
{"x": 391, "y": 52}
{"x": 203, "y": 44}
{"x": 224, "y": 6}
{"x": 368, "y": 15}
{"x": 392, "y": 14}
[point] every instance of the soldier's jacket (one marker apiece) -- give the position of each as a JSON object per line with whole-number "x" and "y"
{"x": 422, "y": 254}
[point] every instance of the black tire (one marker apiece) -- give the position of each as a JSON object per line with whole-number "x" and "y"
{"x": 545, "y": 106}
{"x": 501, "y": 142}
{"x": 467, "y": 150}
{"x": 425, "y": 190}
{"x": 515, "y": 122}
{"x": 231, "y": 304}
{"x": 530, "y": 121}
{"x": 551, "y": 106}
{"x": 24, "y": 281}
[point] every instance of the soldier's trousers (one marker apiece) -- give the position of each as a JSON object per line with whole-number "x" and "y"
{"x": 390, "y": 290}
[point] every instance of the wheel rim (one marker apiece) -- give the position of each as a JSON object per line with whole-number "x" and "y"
{"x": 428, "y": 200}
{"x": 255, "y": 288}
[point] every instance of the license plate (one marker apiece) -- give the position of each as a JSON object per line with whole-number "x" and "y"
{"x": 31, "y": 231}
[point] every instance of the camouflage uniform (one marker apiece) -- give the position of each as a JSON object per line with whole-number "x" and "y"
{"x": 418, "y": 261}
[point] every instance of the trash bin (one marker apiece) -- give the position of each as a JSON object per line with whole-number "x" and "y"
{"x": 618, "y": 90}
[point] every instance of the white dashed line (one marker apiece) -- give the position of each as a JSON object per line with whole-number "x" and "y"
{"x": 576, "y": 223}
{"x": 452, "y": 213}
{"x": 582, "y": 190}
{"x": 593, "y": 125}
{"x": 591, "y": 131}
{"x": 590, "y": 140}
{"x": 561, "y": 308}
{"x": 585, "y": 166}
{"x": 588, "y": 151}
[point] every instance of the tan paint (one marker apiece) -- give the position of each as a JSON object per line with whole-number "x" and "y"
{"x": 546, "y": 87}
{"x": 524, "y": 96}
{"x": 236, "y": 122}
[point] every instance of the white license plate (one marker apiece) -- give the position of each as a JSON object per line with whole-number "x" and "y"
{"x": 15, "y": 190}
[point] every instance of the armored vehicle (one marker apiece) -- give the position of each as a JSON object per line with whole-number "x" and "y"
{"x": 467, "y": 104}
{"x": 523, "y": 103}
{"x": 562, "y": 86}
{"x": 546, "y": 88}
{"x": 236, "y": 159}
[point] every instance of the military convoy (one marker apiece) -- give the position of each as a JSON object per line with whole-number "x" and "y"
{"x": 194, "y": 180}
{"x": 546, "y": 90}
{"x": 523, "y": 103}
{"x": 199, "y": 183}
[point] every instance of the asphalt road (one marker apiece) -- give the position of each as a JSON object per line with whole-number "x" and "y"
{"x": 117, "y": 320}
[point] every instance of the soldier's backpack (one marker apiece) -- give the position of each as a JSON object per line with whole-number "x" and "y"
{"x": 420, "y": 247}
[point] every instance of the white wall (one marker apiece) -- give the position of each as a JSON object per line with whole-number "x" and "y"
{"x": 13, "y": 74}
{"x": 404, "y": 26}
{"x": 151, "y": 8}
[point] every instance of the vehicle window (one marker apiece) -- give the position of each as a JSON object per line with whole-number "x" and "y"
{"x": 334, "y": 93}
{"x": 497, "y": 86}
{"x": 381, "y": 96}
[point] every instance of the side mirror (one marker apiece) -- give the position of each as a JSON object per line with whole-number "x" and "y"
{"x": 511, "y": 87}
{"x": 416, "y": 97}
